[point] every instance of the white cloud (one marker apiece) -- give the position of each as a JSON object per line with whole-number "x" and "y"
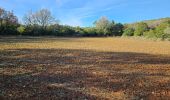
{"x": 70, "y": 12}
{"x": 75, "y": 16}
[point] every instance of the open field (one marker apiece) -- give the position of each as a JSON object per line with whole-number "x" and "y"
{"x": 47, "y": 68}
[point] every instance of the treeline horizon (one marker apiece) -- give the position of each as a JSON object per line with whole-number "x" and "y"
{"x": 42, "y": 23}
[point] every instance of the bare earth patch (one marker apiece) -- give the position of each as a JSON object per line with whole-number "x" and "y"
{"x": 84, "y": 69}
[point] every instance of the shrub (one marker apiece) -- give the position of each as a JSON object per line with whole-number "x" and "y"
{"x": 21, "y": 30}
{"x": 140, "y": 29}
{"x": 128, "y": 32}
{"x": 90, "y": 32}
{"x": 150, "y": 34}
{"x": 167, "y": 32}
{"x": 160, "y": 30}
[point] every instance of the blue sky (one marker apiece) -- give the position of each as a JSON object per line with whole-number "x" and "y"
{"x": 85, "y": 12}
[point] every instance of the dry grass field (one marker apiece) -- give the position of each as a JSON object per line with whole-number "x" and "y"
{"x": 49, "y": 68}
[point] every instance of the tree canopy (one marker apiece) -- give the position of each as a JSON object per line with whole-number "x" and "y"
{"x": 41, "y": 22}
{"x": 41, "y": 18}
{"x": 8, "y": 22}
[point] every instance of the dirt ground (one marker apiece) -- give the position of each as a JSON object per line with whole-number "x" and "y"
{"x": 49, "y": 68}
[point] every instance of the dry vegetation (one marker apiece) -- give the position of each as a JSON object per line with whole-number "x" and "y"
{"x": 84, "y": 68}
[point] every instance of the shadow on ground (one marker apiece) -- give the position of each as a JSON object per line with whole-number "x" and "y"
{"x": 81, "y": 74}
{"x": 28, "y": 39}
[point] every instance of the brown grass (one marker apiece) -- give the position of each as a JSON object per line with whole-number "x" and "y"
{"x": 84, "y": 68}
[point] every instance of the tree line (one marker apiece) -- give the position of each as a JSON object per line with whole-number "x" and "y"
{"x": 42, "y": 23}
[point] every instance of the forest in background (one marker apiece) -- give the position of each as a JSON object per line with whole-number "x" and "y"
{"x": 42, "y": 23}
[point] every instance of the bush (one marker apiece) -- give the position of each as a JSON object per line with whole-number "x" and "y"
{"x": 140, "y": 29}
{"x": 167, "y": 32}
{"x": 90, "y": 32}
{"x": 160, "y": 30}
{"x": 150, "y": 34}
{"x": 128, "y": 32}
{"x": 79, "y": 31}
{"x": 21, "y": 30}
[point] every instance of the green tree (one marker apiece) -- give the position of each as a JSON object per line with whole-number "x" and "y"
{"x": 113, "y": 29}
{"x": 118, "y": 29}
{"x": 150, "y": 34}
{"x": 90, "y": 31}
{"x": 8, "y": 22}
{"x": 160, "y": 30}
{"x": 108, "y": 31}
{"x": 128, "y": 32}
{"x": 21, "y": 30}
{"x": 140, "y": 29}
{"x": 167, "y": 32}
{"x": 79, "y": 31}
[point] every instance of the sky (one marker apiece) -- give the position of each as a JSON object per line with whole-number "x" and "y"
{"x": 85, "y": 12}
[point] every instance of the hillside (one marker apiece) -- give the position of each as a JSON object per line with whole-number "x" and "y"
{"x": 151, "y": 23}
